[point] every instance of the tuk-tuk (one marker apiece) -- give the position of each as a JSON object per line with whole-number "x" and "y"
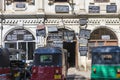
{"x": 17, "y": 64}
{"x": 5, "y": 73}
{"x": 105, "y": 63}
{"x": 49, "y": 63}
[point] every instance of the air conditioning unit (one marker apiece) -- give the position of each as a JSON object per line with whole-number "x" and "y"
{"x": 19, "y": 6}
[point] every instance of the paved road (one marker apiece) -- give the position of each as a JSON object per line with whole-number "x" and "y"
{"x": 74, "y": 74}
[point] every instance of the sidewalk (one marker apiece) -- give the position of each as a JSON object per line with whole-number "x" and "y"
{"x": 82, "y": 74}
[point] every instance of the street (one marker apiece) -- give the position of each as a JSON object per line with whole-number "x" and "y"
{"x": 74, "y": 74}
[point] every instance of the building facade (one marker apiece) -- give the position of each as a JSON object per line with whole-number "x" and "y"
{"x": 76, "y": 25}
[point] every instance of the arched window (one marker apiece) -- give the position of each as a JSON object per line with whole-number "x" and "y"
{"x": 97, "y": 34}
{"x": 19, "y": 34}
{"x": 102, "y": 37}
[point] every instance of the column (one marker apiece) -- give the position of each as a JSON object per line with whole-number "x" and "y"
{"x": 40, "y": 5}
{"x": 1, "y": 5}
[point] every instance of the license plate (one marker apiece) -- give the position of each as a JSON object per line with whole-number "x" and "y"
{"x": 16, "y": 74}
{"x": 57, "y": 76}
{"x": 118, "y": 75}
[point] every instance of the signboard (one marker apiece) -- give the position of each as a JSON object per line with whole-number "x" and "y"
{"x": 40, "y": 31}
{"x": 111, "y": 8}
{"x": 83, "y": 21}
{"x": 69, "y": 35}
{"x": 54, "y": 36}
{"x": 83, "y": 50}
{"x": 58, "y": 44}
{"x": 12, "y": 37}
{"x": 105, "y": 37}
{"x": 19, "y": 34}
{"x": 19, "y": 31}
{"x": 20, "y": 5}
{"x": 28, "y": 37}
{"x": 83, "y": 41}
{"x": 61, "y": 9}
{"x": 52, "y": 28}
{"x": 94, "y": 9}
{"x": 85, "y": 33}
{"x": 100, "y": 1}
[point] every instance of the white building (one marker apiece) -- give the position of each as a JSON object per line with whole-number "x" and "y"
{"x": 21, "y": 19}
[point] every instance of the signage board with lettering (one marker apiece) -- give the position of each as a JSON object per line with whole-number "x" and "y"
{"x": 94, "y": 9}
{"x": 85, "y": 33}
{"x": 27, "y": 37}
{"x": 83, "y": 50}
{"x": 19, "y": 34}
{"x": 111, "y": 8}
{"x": 52, "y": 28}
{"x": 20, "y": 5}
{"x": 54, "y": 36}
{"x": 105, "y": 37}
{"x": 83, "y": 41}
{"x": 62, "y": 9}
{"x": 83, "y": 21}
{"x": 40, "y": 31}
{"x": 69, "y": 35}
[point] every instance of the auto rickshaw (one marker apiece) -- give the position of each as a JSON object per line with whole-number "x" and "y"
{"x": 49, "y": 63}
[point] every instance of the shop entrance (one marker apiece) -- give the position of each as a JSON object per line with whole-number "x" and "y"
{"x": 71, "y": 47}
{"x": 21, "y": 39}
{"x": 28, "y": 47}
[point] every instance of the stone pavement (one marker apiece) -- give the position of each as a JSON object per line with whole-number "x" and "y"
{"x": 74, "y": 74}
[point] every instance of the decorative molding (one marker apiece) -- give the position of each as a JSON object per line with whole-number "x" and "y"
{"x": 40, "y": 21}
{"x": 107, "y": 21}
{"x": 91, "y": 21}
{"x": 24, "y": 21}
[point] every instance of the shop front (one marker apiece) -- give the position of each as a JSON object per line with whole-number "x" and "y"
{"x": 64, "y": 38}
{"x": 21, "y": 39}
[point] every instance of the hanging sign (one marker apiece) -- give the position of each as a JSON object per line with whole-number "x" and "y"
{"x": 83, "y": 41}
{"x": 83, "y": 50}
{"x": 52, "y": 28}
{"x": 85, "y": 33}
{"x": 83, "y": 21}
{"x": 54, "y": 36}
{"x": 68, "y": 35}
{"x": 40, "y": 31}
{"x": 28, "y": 37}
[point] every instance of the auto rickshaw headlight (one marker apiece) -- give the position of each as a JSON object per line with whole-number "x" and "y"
{"x": 56, "y": 71}
{"x": 118, "y": 73}
{"x": 94, "y": 70}
{"x": 34, "y": 71}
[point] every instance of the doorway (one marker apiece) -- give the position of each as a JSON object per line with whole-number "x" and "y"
{"x": 71, "y": 47}
{"x": 28, "y": 47}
